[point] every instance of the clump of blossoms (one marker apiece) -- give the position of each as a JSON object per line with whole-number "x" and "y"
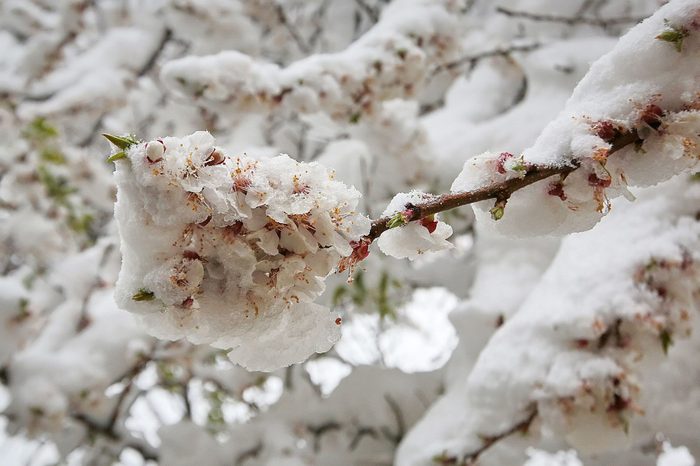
{"x": 231, "y": 251}
{"x": 630, "y": 122}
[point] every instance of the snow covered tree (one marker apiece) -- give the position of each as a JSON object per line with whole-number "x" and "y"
{"x": 184, "y": 292}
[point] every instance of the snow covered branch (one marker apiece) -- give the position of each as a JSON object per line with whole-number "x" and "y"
{"x": 207, "y": 322}
{"x": 289, "y": 224}
{"x": 390, "y": 61}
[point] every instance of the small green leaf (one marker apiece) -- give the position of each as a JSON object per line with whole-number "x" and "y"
{"x": 385, "y": 309}
{"x": 122, "y": 142}
{"x": 443, "y": 459}
{"x": 28, "y": 280}
{"x": 118, "y": 156}
{"x": 520, "y": 165}
{"x": 398, "y": 220}
{"x": 666, "y": 340}
{"x": 497, "y": 212}
{"x": 651, "y": 265}
{"x": 215, "y": 416}
{"x": 359, "y": 289}
{"x": 355, "y": 118}
{"x": 143, "y": 295}
{"x": 625, "y": 425}
{"x": 675, "y": 36}
{"x": 53, "y": 156}
{"x": 498, "y": 209}
{"x": 40, "y": 130}
{"x": 57, "y": 187}
{"x": 23, "y": 309}
{"x": 80, "y": 223}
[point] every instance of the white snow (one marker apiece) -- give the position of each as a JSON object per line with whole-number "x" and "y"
{"x": 232, "y": 251}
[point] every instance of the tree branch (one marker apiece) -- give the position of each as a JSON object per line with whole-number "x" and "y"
{"x": 472, "y": 60}
{"x": 470, "y": 459}
{"x": 489, "y": 441}
{"x": 569, "y": 20}
{"x": 284, "y": 20}
{"x": 448, "y": 201}
{"x": 499, "y": 191}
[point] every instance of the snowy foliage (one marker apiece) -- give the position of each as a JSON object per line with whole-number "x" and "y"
{"x": 232, "y": 251}
{"x": 632, "y": 121}
{"x": 166, "y": 306}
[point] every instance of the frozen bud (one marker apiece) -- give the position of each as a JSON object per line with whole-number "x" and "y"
{"x": 215, "y": 158}
{"x": 596, "y": 182}
{"x": 497, "y": 211}
{"x": 430, "y": 223}
{"x": 155, "y": 151}
{"x": 360, "y": 252}
{"x": 675, "y": 36}
{"x": 606, "y": 130}
{"x": 651, "y": 115}
{"x": 557, "y": 189}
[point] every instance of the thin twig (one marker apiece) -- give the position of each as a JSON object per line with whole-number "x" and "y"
{"x": 282, "y": 17}
{"x": 360, "y": 434}
{"x": 130, "y": 375}
{"x": 472, "y": 60}
{"x": 155, "y": 55}
{"x": 400, "y": 423}
{"x": 372, "y": 13}
{"x": 250, "y": 453}
{"x": 489, "y": 441}
{"x": 317, "y": 19}
{"x": 570, "y": 20}
{"x": 320, "y": 430}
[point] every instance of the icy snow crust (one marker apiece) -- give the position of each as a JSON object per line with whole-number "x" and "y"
{"x": 232, "y": 251}
{"x": 644, "y": 85}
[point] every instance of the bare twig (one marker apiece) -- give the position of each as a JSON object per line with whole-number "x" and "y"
{"x": 360, "y": 434}
{"x": 371, "y": 12}
{"x": 129, "y": 376}
{"x": 282, "y": 17}
{"x": 472, "y": 60}
{"x": 317, "y": 19}
{"x": 488, "y": 441}
{"x": 153, "y": 58}
{"x": 248, "y": 454}
{"x": 400, "y": 423}
{"x": 320, "y": 430}
{"x": 110, "y": 433}
{"x": 570, "y": 20}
